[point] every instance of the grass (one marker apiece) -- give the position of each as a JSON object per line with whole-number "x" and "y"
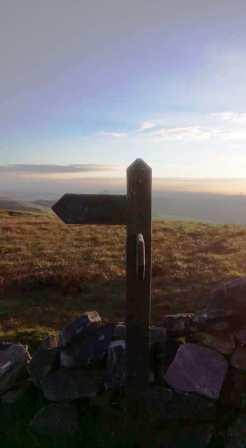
{"x": 50, "y": 272}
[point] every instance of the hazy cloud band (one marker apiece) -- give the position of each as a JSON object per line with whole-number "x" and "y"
{"x": 56, "y": 169}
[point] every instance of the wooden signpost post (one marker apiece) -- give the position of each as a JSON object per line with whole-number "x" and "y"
{"x": 134, "y": 211}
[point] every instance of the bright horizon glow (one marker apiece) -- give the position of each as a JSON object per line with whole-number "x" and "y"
{"x": 86, "y": 85}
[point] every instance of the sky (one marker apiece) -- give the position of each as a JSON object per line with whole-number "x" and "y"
{"x": 87, "y": 86}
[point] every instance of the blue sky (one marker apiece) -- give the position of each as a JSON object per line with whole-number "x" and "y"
{"x": 99, "y": 83}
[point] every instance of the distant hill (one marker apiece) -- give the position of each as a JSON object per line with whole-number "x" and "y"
{"x": 21, "y": 206}
{"x": 169, "y": 205}
{"x": 43, "y": 203}
{"x": 206, "y": 207}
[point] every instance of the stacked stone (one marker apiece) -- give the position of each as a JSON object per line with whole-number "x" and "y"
{"x": 197, "y": 380}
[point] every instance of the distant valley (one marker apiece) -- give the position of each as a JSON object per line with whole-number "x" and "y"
{"x": 171, "y": 205}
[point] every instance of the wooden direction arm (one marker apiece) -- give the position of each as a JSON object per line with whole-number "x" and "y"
{"x": 92, "y": 209}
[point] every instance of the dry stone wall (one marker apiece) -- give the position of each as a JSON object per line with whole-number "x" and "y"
{"x": 197, "y": 380}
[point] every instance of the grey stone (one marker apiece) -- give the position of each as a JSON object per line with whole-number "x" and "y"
{"x": 67, "y": 384}
{"x": 157, "y": 334}
{"x": 238, "y": 359}
{"x": 119, "y": 331}
{"x": 178, "y": 324}
{"x": 13, "y": 364}
{"x": 56, "y": 419}
{"x": 115, "y": 377}
{"x": 79, "y": 326}
{"x": 197, "y": 369}
{"x": 87, "y": 349}
{"x": 43, "y": 362}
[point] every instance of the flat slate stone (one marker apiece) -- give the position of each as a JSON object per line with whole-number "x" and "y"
{"x": 13, "y": 363}
{"x": 197, "y": 369}
{"x": 79, "y": 326}
{"x": 87, "y": 349}
{"x": 68, "y": 384}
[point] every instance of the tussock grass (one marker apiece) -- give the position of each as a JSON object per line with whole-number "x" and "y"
{"x": 50, "y": 272}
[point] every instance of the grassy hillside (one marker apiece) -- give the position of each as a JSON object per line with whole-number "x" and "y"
{"x": 23, "y": 206}
{"x": 50, "y": 273}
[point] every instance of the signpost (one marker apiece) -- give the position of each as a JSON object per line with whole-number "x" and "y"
{"x": 134, "y": 211}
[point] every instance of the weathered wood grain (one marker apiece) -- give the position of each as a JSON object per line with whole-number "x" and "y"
{"x": 139, "y": 180}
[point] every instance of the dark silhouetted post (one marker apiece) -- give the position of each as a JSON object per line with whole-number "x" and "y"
{"x": 133, "y": 210}
{"x": 139, "y": 182}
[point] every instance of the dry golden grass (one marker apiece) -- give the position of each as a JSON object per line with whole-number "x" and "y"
{"x": 50, "y": 273}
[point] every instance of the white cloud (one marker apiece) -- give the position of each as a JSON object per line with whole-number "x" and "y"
{"x": 233, "y": 117}
{"x": 146, "y": 125}
{"x": 182, "y": 133}
{"x": 231, "y": 127}
{"x": 30, "y": 169}
{"x": 233, "y": 134}
{"x": 113, "y": 134}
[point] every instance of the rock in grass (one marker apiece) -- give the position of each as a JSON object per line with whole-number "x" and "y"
{"x": 56, "y": 419}
{"x": 87, "y": 348}
{"x": 79, "y": 326}
{"x": 68, "y": 384}
{"x": 13, "y": 364}
{"x": 197, "y": 369}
